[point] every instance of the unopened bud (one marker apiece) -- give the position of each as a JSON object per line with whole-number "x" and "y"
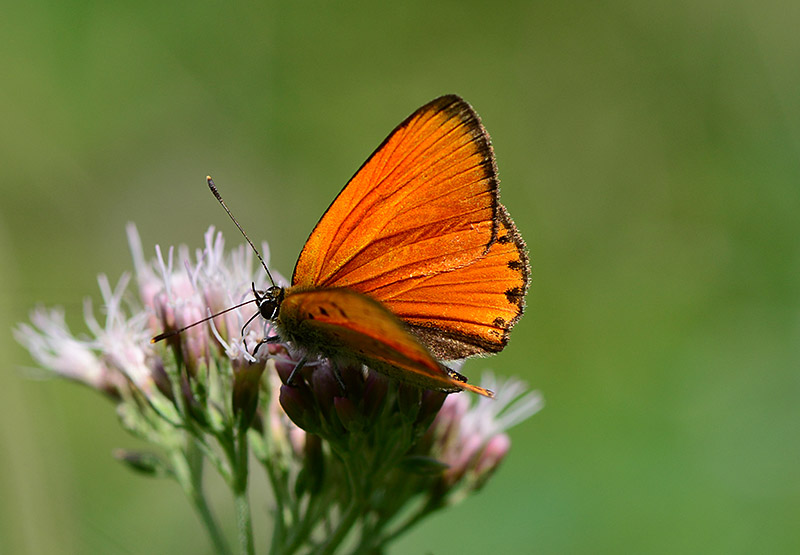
{"x": 298, "y": 404}
{"x": 325, "y": 387}
{"x": 429, "y": 407}
{"x": 246, "y": 385}
{"x": 353, "y": 378}
{"x": 312, "y": 474}
{"x": 348, "y": 414}
{"x": 408, "y": 399}
{"x": 284, "y": 368}
{"x": 375, "y": 390}
{"x": 143, "y": 462}
{"x": 426, "y": 466}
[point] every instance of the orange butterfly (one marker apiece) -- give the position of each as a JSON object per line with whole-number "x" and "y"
{"x": 415, "y": 260}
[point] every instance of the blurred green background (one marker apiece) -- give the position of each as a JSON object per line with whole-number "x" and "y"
{"x": 648, "y": 152}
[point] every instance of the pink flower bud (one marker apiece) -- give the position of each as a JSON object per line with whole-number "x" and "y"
{"x": 375, "y": 389}
{"x": 298, "y": 403}
{"x": 246, "y": 386}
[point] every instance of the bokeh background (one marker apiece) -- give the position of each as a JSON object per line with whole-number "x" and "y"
{"x": 649, "y": 152}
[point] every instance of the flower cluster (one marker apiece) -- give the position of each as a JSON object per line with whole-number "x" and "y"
{"x": 344, "y": 448}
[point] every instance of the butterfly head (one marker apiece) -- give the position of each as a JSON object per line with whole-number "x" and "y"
{"x": 269, "y": 301}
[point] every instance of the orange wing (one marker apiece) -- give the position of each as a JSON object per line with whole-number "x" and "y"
{"x": 419, "y": 228}
{"x": 422, "y": 204}
{"x": 343, "y": 324}
{"x": 471, "y": 310}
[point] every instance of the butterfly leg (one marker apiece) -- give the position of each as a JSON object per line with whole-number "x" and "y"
{"x": 338, "y": 375}
{"x": 253, "y": 317}
{"x": 295, "y": 370}
{"x": 273, "y": 339}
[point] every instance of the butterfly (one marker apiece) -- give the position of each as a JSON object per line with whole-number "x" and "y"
{"x": 414, "y": 262}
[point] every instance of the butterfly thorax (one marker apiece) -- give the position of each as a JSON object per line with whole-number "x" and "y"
{"x": 297, "y": 322}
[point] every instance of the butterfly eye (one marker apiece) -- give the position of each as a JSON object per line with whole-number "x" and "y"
{"x": 269, "y": 301}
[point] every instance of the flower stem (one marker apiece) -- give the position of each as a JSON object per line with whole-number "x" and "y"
{"x": 279, "y": 493}
{"x": 352, "y": 513}
{"x": 244, "y": 523}
{"x": 203, "y": 510}
{"x": 242, "y": 502}
{"x": 188, "y": 468}
{"x": 303, "y": 526}
{"x": 349, "y": 518}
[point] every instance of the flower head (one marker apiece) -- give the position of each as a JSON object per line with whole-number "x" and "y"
{"x": 54, "y": 347}
{"x": 469, "y": 432}
{"x": 188, "y": 291}
{"x": 332, "y": 438}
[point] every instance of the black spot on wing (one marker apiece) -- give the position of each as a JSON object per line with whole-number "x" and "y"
{"x": 516, "y": 265}
{"x": 515, "y": 295}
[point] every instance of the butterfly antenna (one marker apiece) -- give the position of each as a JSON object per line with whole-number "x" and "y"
{"x": 167, "y": 334}
{"x": 252, "y": 246}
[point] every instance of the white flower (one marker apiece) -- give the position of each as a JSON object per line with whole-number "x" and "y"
{"x": 119, "y": 354}
{"x": 53, "y": 346}
{"x": 123, "y": 341}
{"x": 183, "y": 293}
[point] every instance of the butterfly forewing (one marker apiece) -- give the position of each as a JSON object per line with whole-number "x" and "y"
{"x": 424, "y": 203}
{"x": 341, "y": 323}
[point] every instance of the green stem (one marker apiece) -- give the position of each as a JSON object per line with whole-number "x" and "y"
{"x": 203, "y": 510}
{"x": 349, "y": 518}
{"x": 244, "y": 523}
{"x": 304, "y": 526}
{"x": 243, "y": 518}
{"x": 279, "y": 524}
{"x": 353, "y": 511}
{"x": 188, "y": 472}
{"x": 213, "y": 458}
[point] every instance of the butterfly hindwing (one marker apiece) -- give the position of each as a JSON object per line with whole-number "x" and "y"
{"x": 471, "y": 311}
